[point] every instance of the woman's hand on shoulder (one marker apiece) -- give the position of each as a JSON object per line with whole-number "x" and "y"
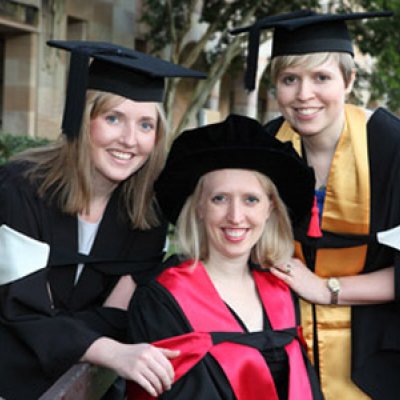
{"x": 304, "y": 282}
{"x": 147, "y": 365}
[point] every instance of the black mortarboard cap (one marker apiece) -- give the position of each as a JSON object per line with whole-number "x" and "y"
{"x": 254, "y": 41}
{"x": 237, "y": 142}
{"x": 301, "y": 33}
{"x": 115, "y": 69}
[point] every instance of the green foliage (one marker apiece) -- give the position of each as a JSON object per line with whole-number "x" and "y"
{"x": 380, "y": 37}
{"x": 196, "y": 35}
{"x": 11, "y": 144}
{"x": 216, "y": 52}
{"x": 385, "y": 44}
{"x": 169, "y": 20}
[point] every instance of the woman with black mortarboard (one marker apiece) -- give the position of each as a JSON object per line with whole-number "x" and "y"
{"x": 79, "y": 227}
{"x": 229, "y": 189}
{"x": 350, "y": 313}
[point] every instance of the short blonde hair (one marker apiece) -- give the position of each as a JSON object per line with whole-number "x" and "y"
{"x": 311, "y": 60}
{"x": 64, "y": 168}
{"x": 275, "y": 244}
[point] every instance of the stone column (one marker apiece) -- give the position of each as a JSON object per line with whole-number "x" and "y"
{"x": 20, "y": 84}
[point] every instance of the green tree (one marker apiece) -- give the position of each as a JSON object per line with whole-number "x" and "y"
{"x": 380, "y": 37}
{"x": 214, "y": 51}
{"x": 12, "y": 144}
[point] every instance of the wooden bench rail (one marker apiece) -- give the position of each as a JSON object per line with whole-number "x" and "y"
{"x": 83, "y": 381}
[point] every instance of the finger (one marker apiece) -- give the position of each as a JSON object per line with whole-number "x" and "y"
{"x": 162, "y": 368}
{"x": 166, "y": 368}
{"x": 156, "y": 367}
{"x": 288, "y": 268}
{"x": 277, "y": 268}
{"x": 146, "y": 385}
{"x": 169, "y": 353}
{"x": 155, "y": 380}
{"x": 284, "y": 268}
{"x": 157, "y": 361}
{"x": 279, "y": 274}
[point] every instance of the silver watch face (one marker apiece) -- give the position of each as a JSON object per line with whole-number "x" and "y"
{"x": 334, "y": 284}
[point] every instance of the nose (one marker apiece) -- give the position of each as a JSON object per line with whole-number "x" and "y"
{"x": 129, "y": 135}
{"x": 305, "y": 90}
{"x": 235, "y": 212}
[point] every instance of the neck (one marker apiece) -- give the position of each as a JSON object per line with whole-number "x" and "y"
{"x": 99, "y": 199}
{"x": 322, "y": 143}
{"x": 102, "y": 187}
{"x": 326, "y": 140}
{"x": 320, "y": 150}
{"x": 219, "y": 267}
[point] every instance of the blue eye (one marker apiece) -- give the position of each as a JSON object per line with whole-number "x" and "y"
{"x": 219, "y": 198}
{"x": 252, "y": 199}
{"x": 112, "y": 119}
{"x": 147, "y": 126}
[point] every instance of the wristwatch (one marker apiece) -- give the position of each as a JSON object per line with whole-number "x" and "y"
{"x": 334, "y": 287}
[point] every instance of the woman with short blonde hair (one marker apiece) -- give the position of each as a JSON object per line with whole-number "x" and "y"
{"x": 344, "y": 270}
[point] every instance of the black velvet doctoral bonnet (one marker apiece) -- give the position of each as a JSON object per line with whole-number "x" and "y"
{"x": 238, "y": 142}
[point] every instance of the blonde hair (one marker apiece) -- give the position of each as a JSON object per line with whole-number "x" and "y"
{"x": 64, "y": 168}
{"x": 311, "y": 60}
{"x": 275, "y": 244}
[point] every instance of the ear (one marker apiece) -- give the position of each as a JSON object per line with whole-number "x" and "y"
{"x": 350, "y": 85}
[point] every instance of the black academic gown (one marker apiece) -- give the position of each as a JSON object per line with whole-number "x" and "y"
{"x": 375, "y": 328}
{"x": 154, "y": 315}
{"x": 40, "y": 339}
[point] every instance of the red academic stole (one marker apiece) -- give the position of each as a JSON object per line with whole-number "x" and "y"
{"x": 244, "y": 366}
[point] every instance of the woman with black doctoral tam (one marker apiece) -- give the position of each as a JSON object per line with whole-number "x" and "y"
{"x": 226, "y": 186}
{"x": 79, "y": 227}
{"x": 350, "y": 315}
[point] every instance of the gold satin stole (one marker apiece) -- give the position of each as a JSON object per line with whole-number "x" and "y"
{"x": 346, "y": 210}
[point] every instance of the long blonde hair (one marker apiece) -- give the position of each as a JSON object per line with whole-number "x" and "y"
{"x": 275, "y": 244}
{"x": 64, "y": 168}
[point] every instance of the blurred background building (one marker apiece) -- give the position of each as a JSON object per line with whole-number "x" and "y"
{"x": 33, "y": 75}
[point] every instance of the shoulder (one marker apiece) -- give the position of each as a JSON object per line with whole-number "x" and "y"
{"x": 14, "y": 172}
{"x": 21, "y": 208}
{"x": 14, "y": 181}
{"x": 272, "y": 126}
{"x": 172, "y": 266}
{"x": 383, "y": 129}
{"x": 383, "y": 122}
{"x": 154, "y": 288}
{"x": 384, "y": 115}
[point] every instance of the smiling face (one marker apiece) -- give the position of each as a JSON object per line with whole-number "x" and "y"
{"x": 233, "y": 208}
{"x": 312, "y": 98}
{"x": 121, "y": 140}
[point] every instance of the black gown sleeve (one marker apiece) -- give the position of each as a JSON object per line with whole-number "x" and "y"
{"x": 154, "y": 315}
{"x": 272, "y": 126}
{"x": 55, "y": 336}
{"x": 375, "y": 328}
{"x": 41, "y": 336}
